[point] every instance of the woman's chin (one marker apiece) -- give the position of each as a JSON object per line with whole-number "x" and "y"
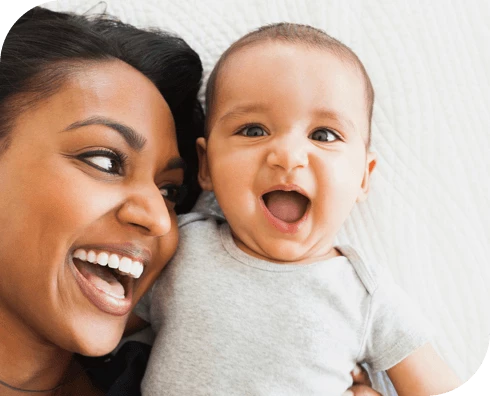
{"x": 97, "y": 348}
{"x": 97, "y": 342}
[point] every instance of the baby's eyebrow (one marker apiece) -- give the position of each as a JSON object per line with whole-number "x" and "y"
{"x": 242, "y": 109}
{"x": 333, "y": 115}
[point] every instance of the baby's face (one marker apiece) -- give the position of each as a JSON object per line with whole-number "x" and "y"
{"x": 286, "y": 153}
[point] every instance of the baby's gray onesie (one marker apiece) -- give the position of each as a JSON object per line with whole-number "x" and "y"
{"x": 231, "y": 324}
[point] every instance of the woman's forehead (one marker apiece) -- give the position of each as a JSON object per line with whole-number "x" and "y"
{"x": 109, "y": 91}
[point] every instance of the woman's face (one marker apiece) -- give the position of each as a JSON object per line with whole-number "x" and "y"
{"x": 91, "y": 172}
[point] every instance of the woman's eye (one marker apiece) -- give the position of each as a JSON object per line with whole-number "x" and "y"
{"x": 173, "y": 193}
{"x": 324, "y": 135}
{"x": 253, "y": 131}
{"x": 108, "y": 164}
{"x": 105, "y": 161}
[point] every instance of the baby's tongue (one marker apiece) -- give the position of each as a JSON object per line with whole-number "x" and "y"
{"x": 101, "y": 277}
{"x": 288, "y": 206}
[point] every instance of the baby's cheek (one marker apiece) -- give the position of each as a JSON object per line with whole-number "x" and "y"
{"x": 228, "y": 179}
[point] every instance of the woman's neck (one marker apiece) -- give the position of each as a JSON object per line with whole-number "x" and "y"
{"x": 27, "y": 360}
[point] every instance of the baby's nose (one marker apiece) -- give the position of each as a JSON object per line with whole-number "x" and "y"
{"x": 288, "y": 153}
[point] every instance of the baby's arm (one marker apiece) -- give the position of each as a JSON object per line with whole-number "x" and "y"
{"x": 399, "y": 342}
{"x": 423, "y": 373}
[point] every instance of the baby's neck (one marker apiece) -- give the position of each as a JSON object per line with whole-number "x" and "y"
{"x": 325, "y": 254}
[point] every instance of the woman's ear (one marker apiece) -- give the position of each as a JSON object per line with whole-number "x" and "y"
{"x": 203, "y": 176}
{"x": 371, "y": 161}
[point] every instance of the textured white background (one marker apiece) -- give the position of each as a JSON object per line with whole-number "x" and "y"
{"x": 428, "y": 217}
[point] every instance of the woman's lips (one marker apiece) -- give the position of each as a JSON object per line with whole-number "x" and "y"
{"x": 113, "y": 305}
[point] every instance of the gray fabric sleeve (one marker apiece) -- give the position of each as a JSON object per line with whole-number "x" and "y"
{"x": 395, "y": 328}
{"x": 142, "y": 309}
{"x": 207, "y": 204}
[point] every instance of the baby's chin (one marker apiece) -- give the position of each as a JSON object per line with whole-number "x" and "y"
{"x": 297, "y": 258}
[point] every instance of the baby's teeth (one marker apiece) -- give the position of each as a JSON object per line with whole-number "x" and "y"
{"x": 125, "y": 265}
{"x": 136, "y": 269}
{"x": 80, "y": 254}
{"x": 113, "y": 261}
{"x": 91, "y": 257}
{"x": 102, "y": 259}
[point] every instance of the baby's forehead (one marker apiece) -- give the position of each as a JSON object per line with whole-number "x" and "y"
{"x": 228, "y": 76}
{"x": 254, "y": 51}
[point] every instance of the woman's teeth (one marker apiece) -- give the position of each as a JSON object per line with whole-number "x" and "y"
{"x": 123, "y": 264}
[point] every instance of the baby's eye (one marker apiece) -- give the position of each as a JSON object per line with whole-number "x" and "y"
{"x": 253, "y": 131}
{"x": 105, "y": 161}
{"x": 324, "y": 135}
{"x": 173, "y": 193}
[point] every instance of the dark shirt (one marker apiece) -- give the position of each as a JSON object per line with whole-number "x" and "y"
{"x": 119, "y": 374}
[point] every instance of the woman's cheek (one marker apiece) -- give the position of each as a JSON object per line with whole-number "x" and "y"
{"x": 166, "y": 247}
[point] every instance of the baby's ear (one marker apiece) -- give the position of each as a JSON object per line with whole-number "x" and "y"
{"x": 203, "y": 176}
{"x": 368, "y": 170}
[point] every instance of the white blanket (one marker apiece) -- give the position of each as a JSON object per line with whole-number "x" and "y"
{"x": 427, "y": 218}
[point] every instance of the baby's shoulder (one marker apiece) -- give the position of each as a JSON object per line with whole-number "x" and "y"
{"x": 370, "y": 274}
{"x": 198, "y": 230}
{"x": 196, "y": 220}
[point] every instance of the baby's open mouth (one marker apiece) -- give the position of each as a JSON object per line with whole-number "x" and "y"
{"x": 288, "y": 206}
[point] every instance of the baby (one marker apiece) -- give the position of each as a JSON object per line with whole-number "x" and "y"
{"x": 264, "y": 303}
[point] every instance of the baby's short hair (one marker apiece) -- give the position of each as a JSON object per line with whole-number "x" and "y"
{"x": 293, "y": 33}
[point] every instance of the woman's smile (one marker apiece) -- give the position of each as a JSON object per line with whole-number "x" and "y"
{"x": 106, "y": 276}
{"x": 108, "y": 291}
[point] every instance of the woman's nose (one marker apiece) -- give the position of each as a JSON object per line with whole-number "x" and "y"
{"x": 288, "y": 153}
{"x": 146, "y": 209}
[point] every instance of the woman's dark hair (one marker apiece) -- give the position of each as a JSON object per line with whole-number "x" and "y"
{"x": 44, "y": 48}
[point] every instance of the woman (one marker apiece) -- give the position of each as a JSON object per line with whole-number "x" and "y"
{"x": 93, "y": 115}
{"x": 89, "y": 162}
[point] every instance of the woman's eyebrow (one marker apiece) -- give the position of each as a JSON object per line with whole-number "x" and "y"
{"x": 132, "y": 138}
{"x": 176, "y": 163}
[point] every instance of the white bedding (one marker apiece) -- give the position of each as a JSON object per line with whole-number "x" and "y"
{"x": 427, "y": 218}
